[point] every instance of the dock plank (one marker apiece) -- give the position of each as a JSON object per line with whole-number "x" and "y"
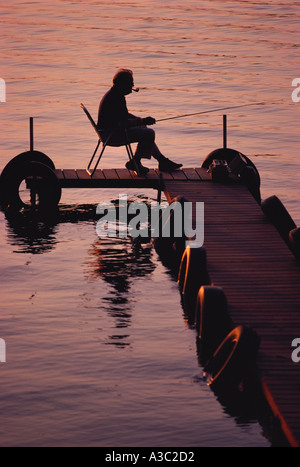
{"x": 124, "y": 174}
{"x": 59, "y": 173}
{"x": 152, "y": 175}
{"x": 191, "y": 174}
{"x": 165, "y": 175}
{"x": 179, "y": 175}
{"x": 203, "y": 174}
{"x": 137, "y": 177}
{"x": 82, "y": 174}
{"x": 98, "y": 175}
{"x": 110, "y": 174}
{"x": 70, "y": 174}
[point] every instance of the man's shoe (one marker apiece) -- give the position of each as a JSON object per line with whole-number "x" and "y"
{"x": 168, "y": 166}
{"x": 136, "y": 166}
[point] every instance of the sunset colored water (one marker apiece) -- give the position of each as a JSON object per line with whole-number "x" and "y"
{"x": 98, "y": 350}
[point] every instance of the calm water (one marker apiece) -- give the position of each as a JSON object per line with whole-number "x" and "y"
{"x": 98, "y": 351}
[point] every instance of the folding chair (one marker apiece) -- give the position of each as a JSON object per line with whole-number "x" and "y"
{"x": 104, "y": 144}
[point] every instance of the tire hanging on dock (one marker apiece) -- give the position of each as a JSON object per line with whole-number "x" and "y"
{"x": 294, "y": 238}
{"x": 278, "y": 215}
{"x": 232, "y": 360}
{"x": 212, "y": 320}
{"x": 28, "y": 156}
{"x": 192, "y": 275}
{"x": 241, "y": 166}
{"x": 229, "y": 155}
{"x": 168, "y": 246}
{"x": 46, "y": 185}
{"x": 15, "y": 166}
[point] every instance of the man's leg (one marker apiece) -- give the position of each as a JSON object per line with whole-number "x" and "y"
{"x": 147, "y": 148}
{"x": 164, "y": 164}
{"x": 145, "y": 138}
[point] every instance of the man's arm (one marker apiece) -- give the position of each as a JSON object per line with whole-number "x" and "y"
{"x": 133, "y": 121}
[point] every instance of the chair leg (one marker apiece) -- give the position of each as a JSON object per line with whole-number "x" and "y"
{"x": 91, "y": 173}
{"x": 129, "y": 152}
{"x": 93, "y": 156}
{"x": 99, "y": 158}
{"x": 128, "y": 149}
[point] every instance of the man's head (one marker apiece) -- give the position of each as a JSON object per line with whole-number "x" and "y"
{"x": 123, "y": 80}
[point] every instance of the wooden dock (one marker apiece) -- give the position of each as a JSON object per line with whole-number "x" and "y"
{"x": 123, "y": 178}
{"x": 248, "y": 259}
{"x": 261, "y": 280}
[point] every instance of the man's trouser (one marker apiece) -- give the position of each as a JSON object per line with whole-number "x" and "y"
{"x": 144, "y": 136}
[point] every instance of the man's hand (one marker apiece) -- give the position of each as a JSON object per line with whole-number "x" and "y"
{"x": 149, "y": 121}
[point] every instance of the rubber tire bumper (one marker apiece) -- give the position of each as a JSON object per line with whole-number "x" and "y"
{"x": 232, "y": 359}
{"x": 294, "y": 237}
{"x": 49, "y": 191}
{"x": 229, "y": 155}
{"x": 212, "y": 320}
{"x": 193, "y": 274}
{"x": 244, "y": 169}
{"x": 278, "y": 215}
{"x": 15, "y": 165}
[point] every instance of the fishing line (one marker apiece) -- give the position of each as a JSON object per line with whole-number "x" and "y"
{"x": 210, "y": 111}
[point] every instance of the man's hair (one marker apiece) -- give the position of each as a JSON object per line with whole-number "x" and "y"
{"x": 122, "y": 76}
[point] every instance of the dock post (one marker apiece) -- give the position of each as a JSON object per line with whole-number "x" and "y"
{"x": 31, "y": 134}
{"x": 224, "y": 131}
{"x": 33, "y": 193}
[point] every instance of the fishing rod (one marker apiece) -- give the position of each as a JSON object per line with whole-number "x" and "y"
{"x": 209, "y": 111}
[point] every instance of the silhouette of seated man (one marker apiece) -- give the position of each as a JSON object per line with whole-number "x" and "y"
{"x": 114, "y": 118}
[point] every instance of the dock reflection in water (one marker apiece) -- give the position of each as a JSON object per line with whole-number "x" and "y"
{"x": 116, "y": 261}
{"x": 119, "y": 262}
{"x": 30, "y": 233}
{"x": 36, "y": 232}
